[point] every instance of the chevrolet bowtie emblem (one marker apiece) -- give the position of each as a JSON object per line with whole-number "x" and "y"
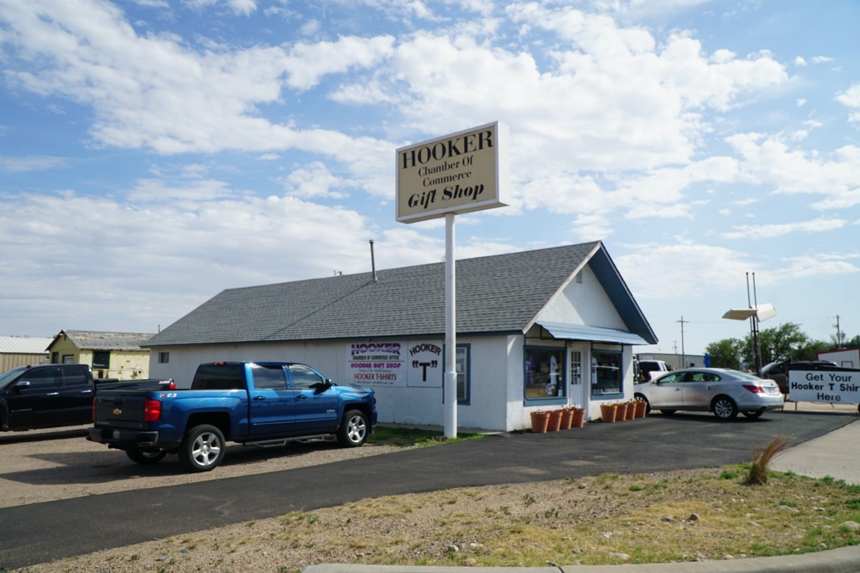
{"x": 117, "y": 412}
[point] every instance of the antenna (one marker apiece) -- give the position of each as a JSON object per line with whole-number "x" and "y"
{"x": 373, "y": 262}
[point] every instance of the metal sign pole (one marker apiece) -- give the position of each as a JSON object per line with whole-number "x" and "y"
{"x": 450, "y": 331}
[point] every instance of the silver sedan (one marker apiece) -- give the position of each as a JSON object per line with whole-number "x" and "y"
{"x": 721, "y": 391}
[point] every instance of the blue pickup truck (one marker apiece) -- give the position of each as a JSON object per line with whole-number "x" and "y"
{"x": 252, "y": 403}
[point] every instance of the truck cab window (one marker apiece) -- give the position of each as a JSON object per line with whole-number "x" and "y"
{"x": 304, "y": 377}
{"x": 269, "y": 378}
{"x": 43, "y": 378}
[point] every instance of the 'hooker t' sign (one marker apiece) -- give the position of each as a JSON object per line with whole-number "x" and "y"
{"x": 457, "y": 173}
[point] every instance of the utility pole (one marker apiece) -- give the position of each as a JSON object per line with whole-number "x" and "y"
{"x": 840, "y": 336}
{"x": 683, "y": 356}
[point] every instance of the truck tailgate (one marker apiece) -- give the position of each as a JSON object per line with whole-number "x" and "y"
{"x": 120, "y": 410}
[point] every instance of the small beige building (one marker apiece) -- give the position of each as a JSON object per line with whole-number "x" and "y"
{"x": 109, "y": 354}
{"x": 18, "y": 351}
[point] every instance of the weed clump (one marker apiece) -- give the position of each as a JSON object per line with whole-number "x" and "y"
{"x": 762, "y": 456}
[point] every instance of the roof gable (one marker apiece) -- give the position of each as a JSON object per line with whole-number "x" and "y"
{"x": 501, "y": 293}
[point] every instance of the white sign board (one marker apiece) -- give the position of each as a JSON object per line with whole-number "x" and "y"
{"x": 841, "y": 387}
{"x": 416, "y": 364}
{"x": 457, "y": 173}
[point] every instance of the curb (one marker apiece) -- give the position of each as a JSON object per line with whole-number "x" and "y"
{"x": 842, "y": 560}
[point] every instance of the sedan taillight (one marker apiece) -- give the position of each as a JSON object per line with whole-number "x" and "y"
{"x": 151, "y": 411}
{"x": 753, "y": 388}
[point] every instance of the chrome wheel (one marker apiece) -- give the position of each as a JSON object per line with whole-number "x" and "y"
{"x": 725, "y": 408}
{"x": 202, "y": 449}
{"x": 353, "y": 431}
{"x": 206, "y": 449}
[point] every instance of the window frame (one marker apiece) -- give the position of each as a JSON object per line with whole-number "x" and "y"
{"x": 607, "y": 395}
{"x": 562, "y": 396}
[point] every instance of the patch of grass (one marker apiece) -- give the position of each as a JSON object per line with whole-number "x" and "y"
{"x": 412, "y": 437}
{"x": 728, "y": 474}
{"x": 636, "y": 487}
{"x": 762, "y": 456}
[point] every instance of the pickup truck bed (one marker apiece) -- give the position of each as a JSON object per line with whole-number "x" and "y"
{"x": 262, "y": 403}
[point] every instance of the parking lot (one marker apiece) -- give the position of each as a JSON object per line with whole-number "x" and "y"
{"x": 249, "y": 486}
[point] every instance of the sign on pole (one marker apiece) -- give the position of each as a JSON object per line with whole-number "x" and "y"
{"x": 457, "y": 173}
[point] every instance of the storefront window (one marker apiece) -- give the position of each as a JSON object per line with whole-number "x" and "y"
{"x": 606, "y": 373}
{"x": 462, "y": 367}
{"x": 544, "y": 373}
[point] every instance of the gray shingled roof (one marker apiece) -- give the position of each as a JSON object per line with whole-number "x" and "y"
{"x": 502, "y": 293}
{"x": 89, "y": 340}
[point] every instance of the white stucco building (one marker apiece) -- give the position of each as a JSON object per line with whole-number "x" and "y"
{"x": 535, "y": 330}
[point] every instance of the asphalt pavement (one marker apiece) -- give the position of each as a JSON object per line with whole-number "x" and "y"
{"x": 40, "y": 533}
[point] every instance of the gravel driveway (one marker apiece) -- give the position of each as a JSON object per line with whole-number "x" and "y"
{"x": 48, "y": 465}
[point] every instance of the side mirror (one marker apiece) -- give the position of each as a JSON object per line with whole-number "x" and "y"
{"x": 21, "y": 384}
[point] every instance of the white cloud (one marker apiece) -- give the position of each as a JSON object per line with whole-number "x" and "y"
{"x": 851, "y": 99}
{"x": 771, "y": 161}
{"x": 821, "y": 59}
{"x": 239, "y": 7}
{"x": 30, "y": 163}
{"x": 820, "y": 225}
{"x": 681, "y": 271}
{"x": 799, "y": 61}
{"x": 314, "y": 180}
{"x": 824, "y": 264}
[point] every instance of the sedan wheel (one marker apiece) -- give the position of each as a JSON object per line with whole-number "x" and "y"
{"x": 725, "y": 408}
{"x": 642, "y": 398}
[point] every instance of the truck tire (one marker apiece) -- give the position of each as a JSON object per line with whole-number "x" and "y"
{"x": 145, "y": 457}
{"x": 202, "y": 448}
{"x": 353, "y": 431}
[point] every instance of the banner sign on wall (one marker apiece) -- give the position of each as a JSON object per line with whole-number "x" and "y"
{"x": 841, "y": 386}
{"x": 414, "y": 364}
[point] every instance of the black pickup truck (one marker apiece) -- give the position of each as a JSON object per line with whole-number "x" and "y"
{"x": 56, "y": 395}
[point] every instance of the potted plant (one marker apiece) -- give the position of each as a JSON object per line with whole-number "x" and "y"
{"x": 631, "y": 410}
{"x": 554, "y": 420}
{"x": 578, "y": 419}
{"x": 641, "y": 408}
{"x": 608, "y": 412}
{"x": 621, "y": 413}
{"x": 540, "y": 421}
{"x": 566, "y": 418}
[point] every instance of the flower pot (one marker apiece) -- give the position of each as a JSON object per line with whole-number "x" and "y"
{"x": 578, "y": 420}
{"x": 607, "y": 412}
{"x": 554, "y": 421}
{"x": 631, "y": 411}
{"x": 540, "y": 421}
{"x": 621, "y": 413}
{"x": 566, "y": 419}
{"x": 641, "y": 408}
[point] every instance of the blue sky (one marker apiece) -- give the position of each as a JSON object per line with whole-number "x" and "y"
{"x": 156, "y": 152}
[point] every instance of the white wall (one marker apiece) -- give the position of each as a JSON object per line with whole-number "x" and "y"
{"x": 583, "y": 303}
{"x": 395, "y": 404}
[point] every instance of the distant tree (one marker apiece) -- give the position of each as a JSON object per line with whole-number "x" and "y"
{"x": 778, "y": 343}
{"x": 725, "y": 353}
{"x": 852, "y": 343}
{"x": 808, "y": 350}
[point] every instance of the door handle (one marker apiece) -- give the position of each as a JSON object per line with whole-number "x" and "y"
{"x": 86, "y": 391}
{"x": 259, "y": 397}
{"x": 52, "y": 394}
{"x": 301, "y": 397}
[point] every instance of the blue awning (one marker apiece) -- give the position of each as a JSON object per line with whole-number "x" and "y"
{"x": 564, "y": 331}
